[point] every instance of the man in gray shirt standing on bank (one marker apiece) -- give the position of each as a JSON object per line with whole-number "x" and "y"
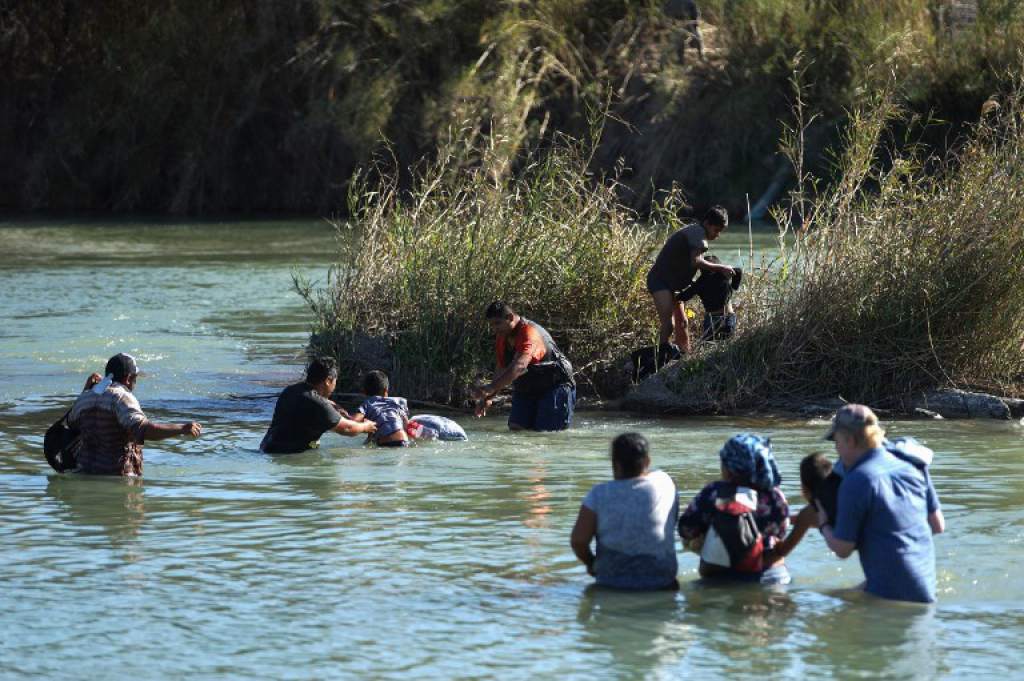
{"x": 674, "y": 269}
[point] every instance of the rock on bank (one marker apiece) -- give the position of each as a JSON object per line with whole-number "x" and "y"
{"x": 669, "y": 392}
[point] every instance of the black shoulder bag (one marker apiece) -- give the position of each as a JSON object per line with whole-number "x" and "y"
{"x": 61, "y": 444}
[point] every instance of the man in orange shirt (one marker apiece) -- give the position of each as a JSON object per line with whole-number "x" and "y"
{"x": 543, "y": 389}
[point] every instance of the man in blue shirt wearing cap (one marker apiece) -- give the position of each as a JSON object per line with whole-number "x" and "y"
{"x": 887, "y": 511}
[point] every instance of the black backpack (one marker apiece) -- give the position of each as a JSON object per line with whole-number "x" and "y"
{"x": 61, "y": 444}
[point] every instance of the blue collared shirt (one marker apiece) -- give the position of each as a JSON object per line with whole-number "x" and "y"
{"x": 883, "y": 508}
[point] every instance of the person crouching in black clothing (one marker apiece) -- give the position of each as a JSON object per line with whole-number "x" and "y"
{"x": 715, "y": 288}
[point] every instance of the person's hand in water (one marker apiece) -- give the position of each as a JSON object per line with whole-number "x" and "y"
{"x": 191, "y": 429}
{"x": 93, "y": 379}
{"x": 481, "y": 399}
{"x": 480, "y": 407}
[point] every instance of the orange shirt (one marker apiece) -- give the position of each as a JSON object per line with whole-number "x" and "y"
{"x": 528, "y": 341}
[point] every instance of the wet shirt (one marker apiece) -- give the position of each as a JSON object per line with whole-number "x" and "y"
{"x": 674, "y": 266}
{"x": 301, "y": 416}
{"x": 883, "y": 508}
{"x": 547, "y": 369}
{"x": 389, "y": 413}
{"x": 636, "y": 518}
{"x": 113, "y": 430}
{"x": 528, "y": 341}
{"x": 771, "y": 514}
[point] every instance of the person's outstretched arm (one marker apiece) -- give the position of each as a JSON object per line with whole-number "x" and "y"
{"x": 162, "y": 431}
{"x": 805, "y": 520}
{"x": 582, "y": 533}
{"x": 131, "y": 418}
{"x": 349, "y": 427}
{"x": 703, "y": 264}
{"x": 506, "y": 376}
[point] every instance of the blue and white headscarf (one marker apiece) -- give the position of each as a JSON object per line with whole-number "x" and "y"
{"x": 749, "y": 457}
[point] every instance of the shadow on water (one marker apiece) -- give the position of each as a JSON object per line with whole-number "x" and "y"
{"x": 739, "y": 625}
{"x": 733, "y": 629}
{"x": 642, "y": 631}
{"x": 115, "y": 505}
{"x": 877, "y": 638}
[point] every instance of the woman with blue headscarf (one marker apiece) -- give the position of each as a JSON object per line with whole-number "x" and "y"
{"x": 734, "y": 523}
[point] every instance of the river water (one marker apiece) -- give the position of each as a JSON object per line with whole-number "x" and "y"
{"x": 439, "y": 561}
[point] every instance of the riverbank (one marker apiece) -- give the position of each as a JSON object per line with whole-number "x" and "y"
{"x": 654, "y": 396}
{"x": 901, "y": 284}
{"x": 900, "y": 279}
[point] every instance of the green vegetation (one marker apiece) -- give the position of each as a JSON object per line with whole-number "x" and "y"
{"x": 905, "y": 269}
{"x": 247, "y": 107}
{"x": 418, "y": 273}
{"x": 913, "y": 285}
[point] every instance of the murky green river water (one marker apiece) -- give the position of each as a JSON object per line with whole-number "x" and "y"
{"x": 436, "y": 562}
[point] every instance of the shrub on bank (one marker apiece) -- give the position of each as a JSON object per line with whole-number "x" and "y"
{"x": 417, "y": 270}
{"x": 913, "y": 285}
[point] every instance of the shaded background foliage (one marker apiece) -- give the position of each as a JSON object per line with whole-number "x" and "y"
{"x": 245, "y": 106}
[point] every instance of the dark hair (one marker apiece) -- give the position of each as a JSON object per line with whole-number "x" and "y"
{"x": 121, "y": 366}
{"x": 814, "y": 468}
{"x": 717, "y": 215}
{"x": 320, "y": 369}
{"x": 499, "y": 309}
{"x": 376, "y": 383}
{"x": 631, "y": 452}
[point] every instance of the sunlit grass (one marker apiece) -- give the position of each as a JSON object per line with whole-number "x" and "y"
{"x": 914, "y": 284}
{"x": 419, "y": 268}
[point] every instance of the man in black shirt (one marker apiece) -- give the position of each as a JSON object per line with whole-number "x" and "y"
{"x": 304, "y": 412}
{"x": 674, "y": 269}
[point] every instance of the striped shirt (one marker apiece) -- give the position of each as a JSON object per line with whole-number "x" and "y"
{"x": 113, "y": 429}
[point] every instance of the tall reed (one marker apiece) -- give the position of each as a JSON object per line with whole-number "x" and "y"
{"x": 417, "y": 269}
{"x": 911, "y": 285}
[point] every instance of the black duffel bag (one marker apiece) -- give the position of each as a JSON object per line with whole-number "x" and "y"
{"x": 61, "y": 444}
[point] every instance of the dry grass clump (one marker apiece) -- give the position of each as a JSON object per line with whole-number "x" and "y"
{"x": 915, "y": 284}
{"x": 418, "y": 268}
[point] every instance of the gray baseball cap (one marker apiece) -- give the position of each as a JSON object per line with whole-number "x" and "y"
{"x": 853, "y": 418}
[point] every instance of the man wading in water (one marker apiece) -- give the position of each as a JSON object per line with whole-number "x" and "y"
{"x": 112, "y": 424}
{"x": 304, "y": 412}
{"x": 543, "y": 389}
{"x": 887, "y": 511}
